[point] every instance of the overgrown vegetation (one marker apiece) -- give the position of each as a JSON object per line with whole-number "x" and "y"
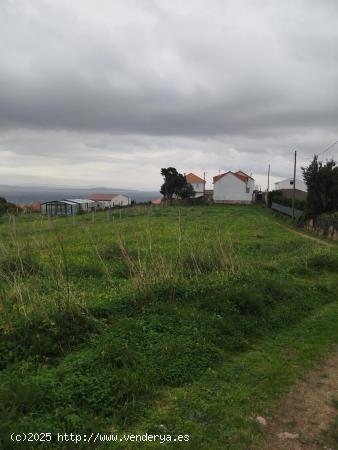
{"x": 104, "y": 323}
{"x": 6, "y": 207}
{"x": 277, "y": 197}
{"x": 322, "y": 184}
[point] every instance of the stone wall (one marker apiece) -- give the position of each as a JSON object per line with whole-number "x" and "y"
{"x": 322, "y": 227}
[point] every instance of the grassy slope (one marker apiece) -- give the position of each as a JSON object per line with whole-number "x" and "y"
{"x": 121, "y": 340}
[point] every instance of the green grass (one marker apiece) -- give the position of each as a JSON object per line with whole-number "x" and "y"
{"x": 173, "y": 320}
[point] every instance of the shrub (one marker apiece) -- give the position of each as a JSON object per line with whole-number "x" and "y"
{"x": 299, "y": 204}
{"x": 44, "y": 340}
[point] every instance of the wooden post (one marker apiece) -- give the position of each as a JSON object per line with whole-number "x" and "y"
{"x": 267, "y": 192}
{"x": 14, "y": 224}
{"x": 93, "y": 216}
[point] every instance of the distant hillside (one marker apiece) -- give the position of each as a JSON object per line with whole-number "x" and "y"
{"x": 30, "y": 194}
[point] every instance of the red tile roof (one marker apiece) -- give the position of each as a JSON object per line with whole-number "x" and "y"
{"x": 239, "y": 174}
{"x": 102, "y": 197}
{"x": 193, "y": 179}
{"x": 157, "y": 201}
{"x": 244, "y": 175}
{"x": 35, "y": 207}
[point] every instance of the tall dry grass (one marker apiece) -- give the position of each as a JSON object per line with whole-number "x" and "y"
{"x": 37, "y": 276}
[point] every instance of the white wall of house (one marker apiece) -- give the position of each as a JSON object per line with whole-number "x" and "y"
{"x": 120, "y": 200}
{"x": 102, "y": 204}
{"x": 229, "y": 188}
{"x": 198, "y": 188}
{"x": 288, "y": 184}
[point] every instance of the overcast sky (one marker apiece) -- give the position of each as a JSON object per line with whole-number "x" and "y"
{"x": 102, "y": 92}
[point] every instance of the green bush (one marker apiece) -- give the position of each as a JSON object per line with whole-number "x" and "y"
{"x": 44, "y": 340}
{"x": 299, "y": 204}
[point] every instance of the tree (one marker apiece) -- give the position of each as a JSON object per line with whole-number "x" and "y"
{"x": 175, "y": 184}
{"x": 6, "y": 206}
{"x": 322, "y": 185}
{"x": 187, "y": 191}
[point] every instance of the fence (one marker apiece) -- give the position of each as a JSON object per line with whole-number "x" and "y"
{"x": 287, "y": 210}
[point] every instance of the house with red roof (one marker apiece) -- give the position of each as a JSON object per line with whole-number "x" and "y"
{"x": 233, "y": 187}
{"x": 104, "y": 201}
{"x": 197, "y": 183}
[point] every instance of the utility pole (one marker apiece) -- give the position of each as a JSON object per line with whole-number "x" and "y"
{"x": 294, "y": 186}
{"x": 267, "y": 193}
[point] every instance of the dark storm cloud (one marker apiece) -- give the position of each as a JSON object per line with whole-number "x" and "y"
{"x": 108, "y": 81}
{"x": 168, "y": 71}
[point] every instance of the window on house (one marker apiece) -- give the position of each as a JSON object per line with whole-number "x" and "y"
{"x": 247, "y": 190}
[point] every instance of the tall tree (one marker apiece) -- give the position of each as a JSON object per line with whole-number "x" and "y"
{"x": 322, "y": 185}
{"x": 175, "y": 184}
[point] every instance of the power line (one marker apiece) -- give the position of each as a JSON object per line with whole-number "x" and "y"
{"x": 328, "y": 148}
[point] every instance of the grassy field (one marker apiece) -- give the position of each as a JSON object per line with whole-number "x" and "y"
{"x": 171, "y": 321}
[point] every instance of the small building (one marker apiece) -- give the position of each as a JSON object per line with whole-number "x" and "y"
{"x": 67, "y": 207}
{"x": 59, "y": 208}
{"x": 233, "y": 187}
{"x": 35, "y": 207}
{"x": 286, "y": 188}
{"x": 85, "y": 204}
{"x": 30, "y": 208}
{"x": 104, "y": 201}
{"x": 197, "y": 183}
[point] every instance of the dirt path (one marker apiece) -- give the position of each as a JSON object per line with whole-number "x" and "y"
{"x": 306, "y": 413}
{"x": 306, "y": 236}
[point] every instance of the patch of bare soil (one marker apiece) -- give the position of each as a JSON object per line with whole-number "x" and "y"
{"x": 304, "y": 418}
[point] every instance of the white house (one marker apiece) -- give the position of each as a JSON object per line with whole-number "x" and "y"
{"x": 197, "y": 183}
{"x": 103, "y": 201}
{"x": 288, "y": 184}
{"x": 233, "y": 187}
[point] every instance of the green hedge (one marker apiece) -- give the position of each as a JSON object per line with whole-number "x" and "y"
{"x": 277, "y": 197}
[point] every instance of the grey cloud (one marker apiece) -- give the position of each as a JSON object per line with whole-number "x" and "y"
{"x": 177, "y": 74}
{"x": 214, "y": 82}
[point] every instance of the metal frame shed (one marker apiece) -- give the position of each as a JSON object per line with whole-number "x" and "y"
{"x": 59, "y": 208}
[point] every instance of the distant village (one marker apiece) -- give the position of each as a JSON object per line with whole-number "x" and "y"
{"x": 229, "y": 187}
